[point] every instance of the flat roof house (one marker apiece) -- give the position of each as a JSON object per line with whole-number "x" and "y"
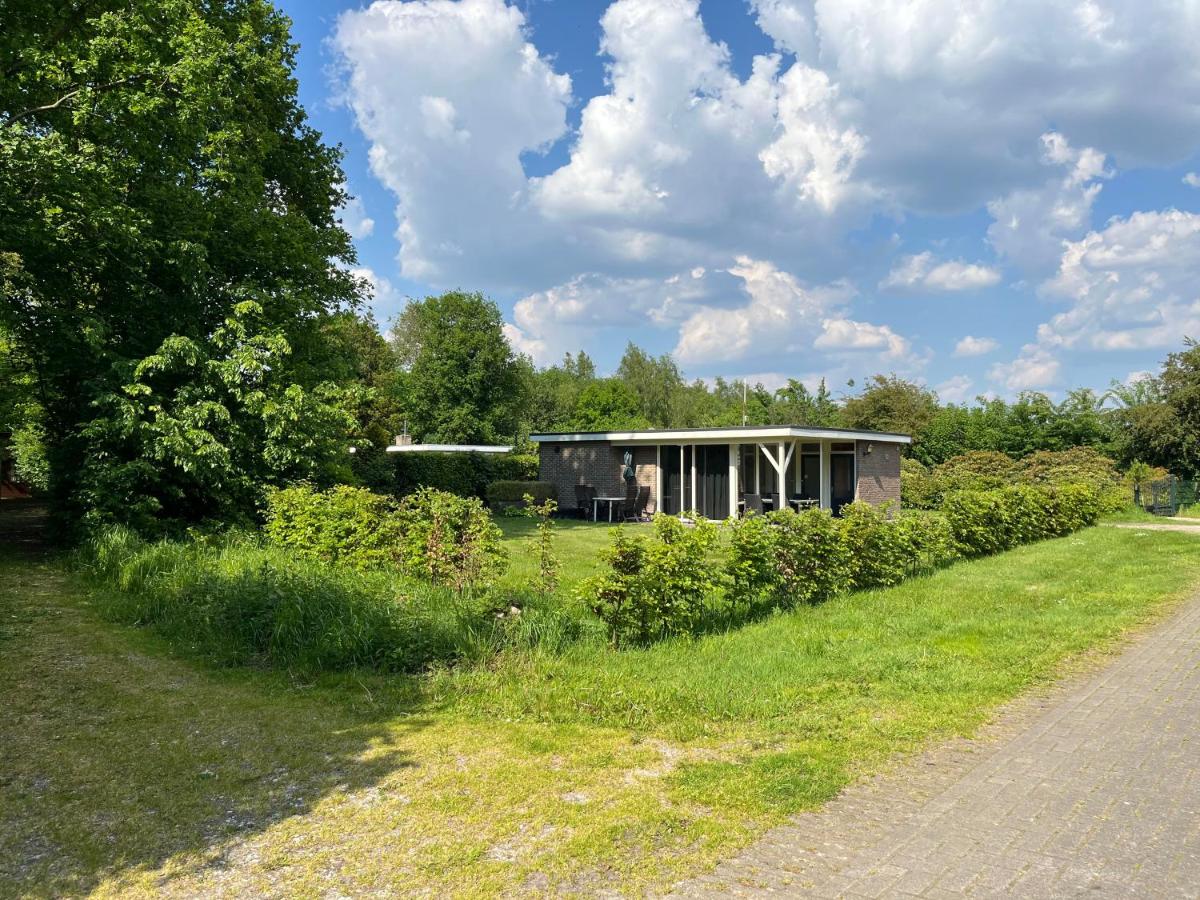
{"x": 710, "y": 469}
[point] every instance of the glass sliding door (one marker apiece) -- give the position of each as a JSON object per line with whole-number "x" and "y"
{"x": 677, "y": 478}
{"x": 712, "y": 479}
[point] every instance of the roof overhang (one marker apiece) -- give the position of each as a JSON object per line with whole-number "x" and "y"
{"x": 448, "y": 448}
{"x": 735, "y": 435}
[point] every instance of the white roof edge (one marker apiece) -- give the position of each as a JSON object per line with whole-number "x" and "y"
{"x": 730, "y": 435}
{"x": 448, "y": 448}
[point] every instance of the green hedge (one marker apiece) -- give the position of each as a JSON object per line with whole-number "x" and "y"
{"x": 430, "y": 534}
{"x": 515, "y": 491}
{"x": 465, "y": 474}
{"x": 985, "y": 522}
{"x": 785, "y": 559}
{"x": 344, "y": 524}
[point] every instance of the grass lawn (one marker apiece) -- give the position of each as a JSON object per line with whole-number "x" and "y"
{"x": 125, "y": 769}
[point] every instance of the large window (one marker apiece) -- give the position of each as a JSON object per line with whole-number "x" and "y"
{"x": 712, "y": 479}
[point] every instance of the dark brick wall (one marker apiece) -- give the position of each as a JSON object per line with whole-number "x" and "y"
{"x": 597, "y": 463}
{"x": 878, "y": 472}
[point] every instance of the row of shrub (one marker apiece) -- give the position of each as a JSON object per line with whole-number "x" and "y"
{"x": 982, "y": 470}
{"x": 464, "y": 474}
{"x": 672, "y": 583}
{"x": 441, "y": 537}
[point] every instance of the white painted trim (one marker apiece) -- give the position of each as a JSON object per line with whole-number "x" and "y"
{"x": 826, "y": 476}
{"x": 448, "y": 448}
{"x": 771, "y": 459}
{"x": 735, "y": 454}
{"x": 695, "y": 505}
{"x": 723, "y": 435}
{"x": 658, "y": 479}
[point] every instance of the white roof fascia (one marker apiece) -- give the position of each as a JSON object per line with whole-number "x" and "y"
{"x": 447, "y": 448}
{"x": 723, "y": 436}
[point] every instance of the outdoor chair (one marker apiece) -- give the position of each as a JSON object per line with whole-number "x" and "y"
{"x": 774, "y": 500}
{"x": 584, "y": 495}
{"x": 753, "y": 503}
{"x": 643, "y": 497}
{"x": 629, "y": 509}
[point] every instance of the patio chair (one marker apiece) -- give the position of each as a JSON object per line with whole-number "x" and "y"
{"x": 753, "y": 503}
{"x": 584, "y": 495}
{"x": 629, "y": 509}
{"x": 774, "y": 500}
{"x": 643, "y": 497}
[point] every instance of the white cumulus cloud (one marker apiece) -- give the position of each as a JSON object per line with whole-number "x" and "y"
{"x": 975, "y": 346}
{"x": 947, "y": 92}
{"x": 1034, "y": 369}
{"x": 1032, "y": 223}
{"x": 922, "y": 270}
{"x": 1132, "y": 285}
{"x": 956, "y": 389}
{"x": 1191, "y": 179}
{"x": 355, "y": 220}
{"x": 449, "y": 95}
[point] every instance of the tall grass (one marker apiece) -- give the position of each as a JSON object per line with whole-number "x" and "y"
{"x": 238, "y": 602}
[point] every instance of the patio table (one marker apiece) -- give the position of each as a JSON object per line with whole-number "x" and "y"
{"x": 803, "y": 504}
{"x": 611, "y": 501}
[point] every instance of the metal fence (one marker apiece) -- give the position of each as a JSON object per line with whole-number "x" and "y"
{"x": 1166, "y": 496}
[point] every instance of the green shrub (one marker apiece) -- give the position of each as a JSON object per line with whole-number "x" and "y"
{"x": 751, "y": 563}
{"x": 812, "y": 559}
{"x": 929, "y": 540}
{"x": 465, "y": 474}
{"x": 985, "y": 522}
{"x": 879, "y": 550}
{"x": 343, "y": 524}
{"x": 449, "y": 540}
{"x": 1027, "y": 514}
{"x": 548, "y": 564}
{"x": 919, "y": 489}
{"x": 978, "y": 521}
{"x": 976, "y": 470}
{"x": 1071, "y": 507}
{"x": 1079, "y": 465}
{"x": 517, "y": 491}
{"x": 658, "y": 587}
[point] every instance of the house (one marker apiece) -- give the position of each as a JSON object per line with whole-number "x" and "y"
{"x": 710, "y": 469}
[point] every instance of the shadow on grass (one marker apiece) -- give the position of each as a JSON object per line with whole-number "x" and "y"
{"x": 117, "y": 758}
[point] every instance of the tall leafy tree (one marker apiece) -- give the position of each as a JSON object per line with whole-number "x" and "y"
{"x": 462, "y": 382}
{"x": 1180, "y": 427}
{"x": 608, "y": 404}
{"x": 156, "y": 171}
{"x": 554, "y": 391}
{"x": 889, "y": 403}
{"x": 656, "y": 381}
{"x": 795, "y": 404}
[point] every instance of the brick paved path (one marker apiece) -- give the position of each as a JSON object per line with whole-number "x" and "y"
{"x": 1093, "y": 791}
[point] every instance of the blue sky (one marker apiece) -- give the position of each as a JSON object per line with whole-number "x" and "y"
{"x": 986, "y": 201}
